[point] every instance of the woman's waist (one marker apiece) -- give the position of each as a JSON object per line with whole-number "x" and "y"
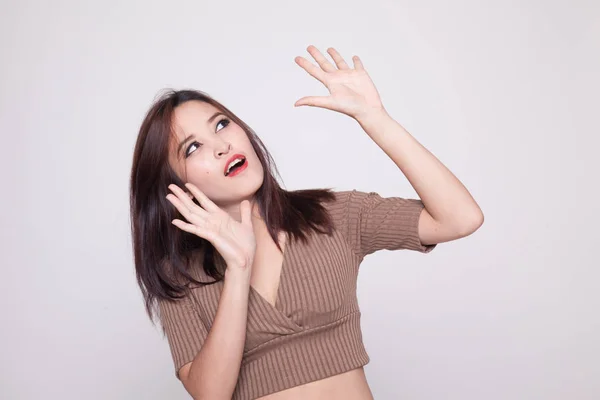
{"x": 349, "y": 385}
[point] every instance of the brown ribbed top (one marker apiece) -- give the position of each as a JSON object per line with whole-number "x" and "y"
{"x": 313, "y": 331}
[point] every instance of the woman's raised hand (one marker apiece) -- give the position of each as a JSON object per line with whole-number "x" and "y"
{"x": 352, "y": 91}
{"x": 234, "y": 240}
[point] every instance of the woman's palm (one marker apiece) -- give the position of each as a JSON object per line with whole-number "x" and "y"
{"x": 234, "y": 240}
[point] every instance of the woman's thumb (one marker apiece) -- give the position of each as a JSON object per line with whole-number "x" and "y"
{"x": 246, "y": 212}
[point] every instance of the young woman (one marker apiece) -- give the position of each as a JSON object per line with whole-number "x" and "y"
{"x": 254, "y": 285}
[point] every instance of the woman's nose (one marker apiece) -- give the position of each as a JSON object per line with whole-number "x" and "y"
{"x": 222, "y": 148}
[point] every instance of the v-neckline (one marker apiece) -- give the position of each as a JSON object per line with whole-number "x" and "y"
{"x": 282, "y": 275}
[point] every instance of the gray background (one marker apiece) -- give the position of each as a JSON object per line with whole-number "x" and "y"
{"x": 504, "y": 93}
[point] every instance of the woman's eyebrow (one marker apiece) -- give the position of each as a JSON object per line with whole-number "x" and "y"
{"x": 213, "y": 117}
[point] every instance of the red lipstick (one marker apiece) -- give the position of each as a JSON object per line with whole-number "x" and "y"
{"x": 239, "y": 169}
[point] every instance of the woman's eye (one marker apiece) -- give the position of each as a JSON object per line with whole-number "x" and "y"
{"x": 187, "y": 151}
{"x": 190, "y": 149}
{"x": 224, "y": 121}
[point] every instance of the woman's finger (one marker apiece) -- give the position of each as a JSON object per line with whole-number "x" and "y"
{"x": 312, "y": 69}
{"x": 194, "y": 229}
{"x": 339, "y": 60}
{"x": 358, "y": 63}
{"x": 204, "y": 201}
{"x": 186, "y": 200}
{"x": 192, "y": 216}
{"x": 320, "y": 58}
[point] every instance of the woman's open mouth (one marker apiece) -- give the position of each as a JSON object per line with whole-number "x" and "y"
{"x": 236, "y": 166}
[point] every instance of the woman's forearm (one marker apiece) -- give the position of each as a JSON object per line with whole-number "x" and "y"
{"x": 215, "y": 369}
{"x": 444, "y": 196}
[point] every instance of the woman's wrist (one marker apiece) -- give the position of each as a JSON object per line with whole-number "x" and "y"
{"x": 238, "y": 275}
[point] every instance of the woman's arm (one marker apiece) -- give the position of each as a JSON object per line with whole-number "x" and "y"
{"x": 450, "y": 210}
{"x": 213, "y": 373}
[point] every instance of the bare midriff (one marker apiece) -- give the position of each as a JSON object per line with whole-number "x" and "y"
{"x": 351, "y": 385}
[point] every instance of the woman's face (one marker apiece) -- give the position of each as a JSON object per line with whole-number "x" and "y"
{"x": 205, "y": 146}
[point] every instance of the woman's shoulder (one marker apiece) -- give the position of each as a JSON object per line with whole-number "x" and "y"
{"x": 343, "y": 199}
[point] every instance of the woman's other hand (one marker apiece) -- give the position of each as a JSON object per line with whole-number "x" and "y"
{"x": 234, "y": 240}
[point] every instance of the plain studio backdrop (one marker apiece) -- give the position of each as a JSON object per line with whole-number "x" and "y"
{"x": 503, "y": 93}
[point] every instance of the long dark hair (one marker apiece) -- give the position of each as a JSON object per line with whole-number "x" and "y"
{"x": 163, "y": 253}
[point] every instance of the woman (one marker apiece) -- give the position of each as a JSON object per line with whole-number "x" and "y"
{"x": 255, "y": 286}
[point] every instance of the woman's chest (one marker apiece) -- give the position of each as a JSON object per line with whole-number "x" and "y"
{"x": 318, "y": 278}
{"x": 317, "y": 285}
